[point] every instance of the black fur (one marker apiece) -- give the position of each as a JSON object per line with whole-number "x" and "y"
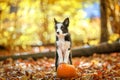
{"x": 56, "y": 38}
{"x": 70, "y": 58}
{"x": 56, "y": 60}
{"x": 67, "y": 37}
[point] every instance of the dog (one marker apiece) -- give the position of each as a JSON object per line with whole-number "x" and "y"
{"x": 63, "y": 43}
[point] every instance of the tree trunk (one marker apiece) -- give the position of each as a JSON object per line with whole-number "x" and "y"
{"x": 114, "y": 15}
{"x": 104, "y": 29}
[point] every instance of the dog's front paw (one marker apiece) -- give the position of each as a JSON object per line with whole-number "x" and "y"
{"x": 61, "y": 61}
{"x": 66, "y": 61}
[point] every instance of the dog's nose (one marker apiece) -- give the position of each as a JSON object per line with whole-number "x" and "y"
{"x": 57, "y": 32}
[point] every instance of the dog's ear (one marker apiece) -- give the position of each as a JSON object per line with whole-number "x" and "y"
{"x": 66, "y": 22}
{"x": 55, "y": 21}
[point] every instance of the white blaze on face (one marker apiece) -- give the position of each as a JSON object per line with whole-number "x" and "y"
{"x": 59, "y": 25}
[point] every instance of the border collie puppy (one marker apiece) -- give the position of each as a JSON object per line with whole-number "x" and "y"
{"x": 63, "y": 43}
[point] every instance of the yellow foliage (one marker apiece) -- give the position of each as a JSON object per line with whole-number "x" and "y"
{"x": 113, "y": 37}
{"x": 33, "y": 22}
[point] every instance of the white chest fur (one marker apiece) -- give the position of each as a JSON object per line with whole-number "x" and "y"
{"x": 63, "y": 45}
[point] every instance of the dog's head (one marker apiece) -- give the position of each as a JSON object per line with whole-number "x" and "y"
{"x": 61, "y": 27}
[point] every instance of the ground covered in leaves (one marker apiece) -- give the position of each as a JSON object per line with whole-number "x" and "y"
{"x": 95, "y": 67}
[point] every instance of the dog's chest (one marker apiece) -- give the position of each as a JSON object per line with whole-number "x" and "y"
{"x": 62, "y": 44}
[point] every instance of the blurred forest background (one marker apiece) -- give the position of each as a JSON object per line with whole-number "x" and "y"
{"x": 29, "y": 23}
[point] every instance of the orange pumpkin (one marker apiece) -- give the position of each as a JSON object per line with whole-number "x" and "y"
{"x": 66, "y": 71}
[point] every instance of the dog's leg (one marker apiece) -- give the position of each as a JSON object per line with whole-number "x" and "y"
{"x": 66, "y": 57}
{"x": 70, "y": 58}
{"x": 56, "y": 60}
{"x": 60, "y": 56}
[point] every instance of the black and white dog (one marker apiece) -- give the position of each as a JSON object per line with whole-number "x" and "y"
{"x": 63, "y": 43}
